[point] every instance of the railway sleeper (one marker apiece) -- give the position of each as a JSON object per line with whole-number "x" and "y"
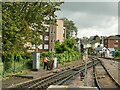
{"x": 58, "y": 75}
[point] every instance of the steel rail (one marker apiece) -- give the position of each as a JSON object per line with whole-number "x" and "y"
{"x": 58, "y": 78}
{"x": 109, "y": 75}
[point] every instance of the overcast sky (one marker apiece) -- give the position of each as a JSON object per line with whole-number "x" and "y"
{"x": 92, "y": 18}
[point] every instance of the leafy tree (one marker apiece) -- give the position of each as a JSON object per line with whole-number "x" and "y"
{"x": 77, "y": 39}
{"x": 90, "y": 50}
{"x": 58, "y": 47}
{"x": 67, "y": 45}
{"x": 22, "y": 22}
{"x": 70, "y": 43}
{"x": 70, "y": 27}
{"x": 67, "y": 51}
{"x": 117, "y": 54}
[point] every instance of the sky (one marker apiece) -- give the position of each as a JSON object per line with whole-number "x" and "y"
{"x": 92, "y": 18}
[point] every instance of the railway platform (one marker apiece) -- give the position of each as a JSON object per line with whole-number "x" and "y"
{"x": 64, "y": 87}
{"x": 31, "y": 75}
{"x": 67, "y": 73}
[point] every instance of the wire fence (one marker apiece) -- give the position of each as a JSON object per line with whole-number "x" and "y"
{"x": 1, "y": 69}
{"x": 11, "y": 67}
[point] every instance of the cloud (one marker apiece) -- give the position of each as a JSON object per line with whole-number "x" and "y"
{"x": 88, "y": 19}
{"x": 110, "y": 28}
{"x": 107, "y": 8}
{"x": 92, "y": 18}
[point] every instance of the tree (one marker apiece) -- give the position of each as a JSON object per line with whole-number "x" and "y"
{"x": 117, "y": 54}
{"x": 70, "y": 27}
{"x": 22, "y": 22}
{"x": 70, "y": 42}
{"x": 90, "y": 51}
{"x": 77, "y": 39}
{"x": 67, "y": 50}
{"x": 67, "y": 45}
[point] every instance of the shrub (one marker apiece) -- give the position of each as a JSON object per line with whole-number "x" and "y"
{"x": 117, "y": 54}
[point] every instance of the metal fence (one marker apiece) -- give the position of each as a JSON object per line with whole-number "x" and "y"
{"x": 12, "y": 67}
{"x": 1, "y": 69}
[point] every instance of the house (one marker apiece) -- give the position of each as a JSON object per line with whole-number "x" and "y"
{"x": 60, "y": 32}
{"x": 109, "y": 52}
{"x": 49, "y": 36}
{"x": 84, "y": 41}
{"x": 93, "y": 42}
{"x": 112, "y": 42}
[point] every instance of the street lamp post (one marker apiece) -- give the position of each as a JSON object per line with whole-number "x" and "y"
{"x": 86, "y": 57}
{"x": 36, "y": 55}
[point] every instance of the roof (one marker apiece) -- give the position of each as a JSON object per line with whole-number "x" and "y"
{"x": 99, "y": 48}
{"x": 93, "y": 39}
{"x": 111, "y": 49}
{"x": 114, "y": 37}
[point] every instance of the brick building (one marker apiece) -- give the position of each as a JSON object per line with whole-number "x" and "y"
{"x": 60, "y": 32}
{"x": 112, "y": 42}
{"x": 52, "y": 34}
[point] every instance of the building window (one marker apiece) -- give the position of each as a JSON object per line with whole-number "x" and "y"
{"x": 47, "y": 30}
{"x": 53, "y": 41}
{"x": 116, "y": 41}
{"x": 46, "y": 46}
{"x": 52, "y": 49}
{"x": 46, "y": 38}
{"x": 40, "y": 46}
{"x": 105, "y": 40}
{"x": 33, "y": 47}
{"x": 115, "y": 45}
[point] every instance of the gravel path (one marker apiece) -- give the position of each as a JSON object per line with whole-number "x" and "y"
{"x": 103, "y": 79}
{"x": 113, "y": 67}
{"x": 78, "y": 82}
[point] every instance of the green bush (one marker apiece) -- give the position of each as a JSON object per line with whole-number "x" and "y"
{"x": 67, "y": 57}
{"x": 117, "y": 54}
{"x": 7, "y": 66}
{"x": 28, "y": 64}
{"x": 17, "y": 62}
{"x": 67, "y": 51}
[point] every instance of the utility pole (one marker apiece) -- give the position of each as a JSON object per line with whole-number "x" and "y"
{"x": 102, "y": 46}
{"x": 86, "y": 57}
{"x": 79, "y": 45}
{"x": 102, "y": 43}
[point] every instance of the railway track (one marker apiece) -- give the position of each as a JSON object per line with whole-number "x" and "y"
{"x": 54, "y": 79}
{"x": 103, "y": 78}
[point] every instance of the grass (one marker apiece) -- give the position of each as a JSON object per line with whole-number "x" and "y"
{"x": 1, "y": 67}
{"x": 14, "y": 74}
